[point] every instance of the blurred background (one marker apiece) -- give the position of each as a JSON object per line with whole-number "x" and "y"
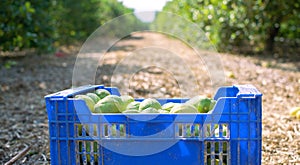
{"x": 248, "y": 27}
{"x": 257, "y": 40}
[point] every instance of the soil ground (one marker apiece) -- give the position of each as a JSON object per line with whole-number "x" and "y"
{"x": 23, "y": 116}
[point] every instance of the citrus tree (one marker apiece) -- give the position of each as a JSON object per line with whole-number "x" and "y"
{"x": 44, "y": 24}
{"x": 246, "y": 26}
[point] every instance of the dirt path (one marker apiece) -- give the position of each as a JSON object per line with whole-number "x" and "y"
{"x": 23, "y": 117}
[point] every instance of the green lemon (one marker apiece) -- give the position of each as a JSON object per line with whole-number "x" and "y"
{"x": 89, "y": 102}
{"x": 163, "y": 111}
{"x": 150, "y": 110}
{"x": 94, "y": 97}
{"x": 109, "y": 104}
{"x": 126, "y": 99}
{"x": 102, "y": 93}
{"x": 184, "y": 108}
{"x": 147, "y": 103}
{"x": 202, "y": 103}
{"x": 294, "y": 111}
{"x": 168, "y": 106}
{"x": 133, "y": 105}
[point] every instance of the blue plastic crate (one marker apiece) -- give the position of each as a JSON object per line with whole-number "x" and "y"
{"x": 156, "y": 139}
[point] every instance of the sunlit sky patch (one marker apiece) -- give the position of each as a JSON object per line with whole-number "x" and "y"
{"x": 141, "y": 6}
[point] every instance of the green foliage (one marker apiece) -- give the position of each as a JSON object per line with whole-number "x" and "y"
{"x": 77, "y": 19}
{"x": 45, "y": 24}
{"x": 9, "y": 63}
{"x": 25, "y": 24}
{"x": 232, "y": 24}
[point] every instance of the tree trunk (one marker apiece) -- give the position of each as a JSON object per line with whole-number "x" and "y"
{"x": 273, "y": 32}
